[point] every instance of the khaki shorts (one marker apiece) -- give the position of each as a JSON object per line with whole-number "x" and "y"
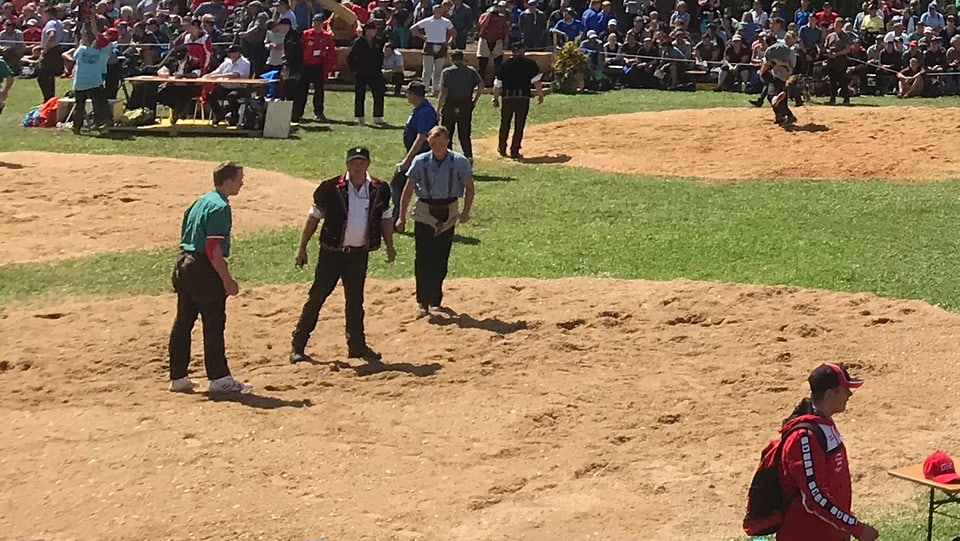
{"x": 483, "y": 49}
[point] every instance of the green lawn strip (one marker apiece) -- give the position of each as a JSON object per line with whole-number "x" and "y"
{"x": 895, "y": 240}
{"x": 906, "y": 523}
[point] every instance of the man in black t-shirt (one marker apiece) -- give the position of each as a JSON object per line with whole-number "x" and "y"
{"x": 513, "y": 84}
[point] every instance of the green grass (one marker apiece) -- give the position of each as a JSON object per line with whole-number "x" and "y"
{"x": 553, "y": 221}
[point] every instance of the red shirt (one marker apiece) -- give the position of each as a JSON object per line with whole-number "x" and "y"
{"x": 818, "y": 481}
{"x": 318, "y": 48}
{"x": 360, "y": 11}
{"x": 493, "y": 28}
{"x": 823, "y": 17}
{"x": 32, "y": 34}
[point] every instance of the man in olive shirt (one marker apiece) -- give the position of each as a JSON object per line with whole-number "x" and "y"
{"x": 203, "y": 283}
{"x": 460, "y": 89}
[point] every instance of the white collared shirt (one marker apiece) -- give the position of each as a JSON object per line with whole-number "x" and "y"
{"x": 358, "y": 207}
{"x": 241, "y": 67}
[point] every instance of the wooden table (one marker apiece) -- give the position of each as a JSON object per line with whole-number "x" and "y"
{"x": 185, "y": 125}
{"x": 951, "y": 492}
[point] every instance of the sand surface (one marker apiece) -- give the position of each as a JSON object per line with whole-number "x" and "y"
{"x": 55, "y": 206}
{"x": 830, "y": 143}
{"x": 544, "y": 410}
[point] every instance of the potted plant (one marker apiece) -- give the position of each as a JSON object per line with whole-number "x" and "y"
{"x": 570, "y": 68}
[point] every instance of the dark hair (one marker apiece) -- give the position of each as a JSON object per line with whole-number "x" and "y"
{"x": 417, "y": 89}
{"x": 226, "y": 171}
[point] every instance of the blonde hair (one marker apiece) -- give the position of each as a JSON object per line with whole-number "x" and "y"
{"x": 437, "y": 131}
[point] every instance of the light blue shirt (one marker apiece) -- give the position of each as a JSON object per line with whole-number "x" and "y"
{"x": 440, "y": 179}
{"x": 91, "y": 67}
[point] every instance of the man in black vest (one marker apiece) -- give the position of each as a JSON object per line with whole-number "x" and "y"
{"x": 356, "y": 214}
{"x": 513, "y": 83}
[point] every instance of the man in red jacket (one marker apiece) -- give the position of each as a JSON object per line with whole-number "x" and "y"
{"x": 814, "y": 471}
{"x": 319, "y": 59}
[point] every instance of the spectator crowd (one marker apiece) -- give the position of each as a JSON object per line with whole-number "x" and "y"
{"x": 890, "y": 46}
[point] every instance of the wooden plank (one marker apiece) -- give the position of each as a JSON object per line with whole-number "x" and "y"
{"x": 915, "y": 474}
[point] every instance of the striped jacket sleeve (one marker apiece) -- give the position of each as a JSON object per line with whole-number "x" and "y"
{"x": 805, "y": 462}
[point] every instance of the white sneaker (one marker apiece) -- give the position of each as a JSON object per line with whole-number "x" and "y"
{"x": 227, "y": 384}
{"x": 361, "y": 121}
{"x": 182, "y": 385}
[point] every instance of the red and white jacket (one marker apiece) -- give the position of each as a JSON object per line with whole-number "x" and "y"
{"x": 200, "y": 48}
{"x": 817, "y": 481}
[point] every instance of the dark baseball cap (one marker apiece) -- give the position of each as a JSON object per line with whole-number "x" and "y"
{"x": 318, "y": 17}
{"x": 830, "y": 376}
{"x": 233, "y": 49}
{"x": 358, "y": 153}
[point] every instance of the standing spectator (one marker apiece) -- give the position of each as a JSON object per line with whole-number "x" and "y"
{"x": 252, "y": 40}
{"x": 305, "y": 11}
{"x": 533, "y": 26}
{"x": 215, "y": 8}
{"x": 7, "y": 78}
{"x": 891, "y": 62}
{"x": 748, "y": 28}
{"x": 827, "y": 15}
{"x": 461, "y": 15}
{"x": 461, "y": 88}
{"x": 365, "y": 61}
{"x": 91, "y": 66}
{"x": 803, "y": 13}
{"x": 494, "y": 28}
{"x": 356, "y": 214}
{"x": 319, "y": 60}
{"x": 439, "y": 178}
{"x": 436, "y": 32}
{"x": 837, "y": 47}
{"x": 814, "y": 469}
{"x": 513, "y": 84}
{"x": 933, "y": 18}
{"x": 273, "y": 42}
{"x": 400, "y": 21}
{"x": 51, "y": 59}
{"x": 393, "y": 67}
{"x": 284, "y": 12}
{"x": 203, "y": 282}
{"x": 591, "y": 16}
{"x": 422, "y": 119}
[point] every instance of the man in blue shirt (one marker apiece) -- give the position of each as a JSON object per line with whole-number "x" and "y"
{"x": 440, "y": 178}
{"x": 591, "y": 16}
{"x": 567, "y": 29}
{"x": 421, "y": 120}
{"x": 802, "y": 15}
{"x": 91, "y": 66}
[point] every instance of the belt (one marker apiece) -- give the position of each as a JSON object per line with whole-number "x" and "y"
{"x": 345, "y": 249}
{"x": 439, "y": 201}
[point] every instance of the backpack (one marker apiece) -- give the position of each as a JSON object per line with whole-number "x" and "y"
{"x": 766, "y": 502}
{"x": 252, "y": 115}
{"x": 32, "y": 118}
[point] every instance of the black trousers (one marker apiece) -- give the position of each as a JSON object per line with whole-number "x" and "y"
{"x": 47, "y": 81}
{"x": 397, "y": 183}
{"x": 101, "y": 107}
{"x": 377, "y": 86}
{"x": 430, "y": 263}
{"x": 315, "y": 75}
{"x": 396, "y": 79}
{"x": 177, "y": 98}
{"x": 199, "y": 292}
{"x": 457, "y": 116}
{"x": 836, "y": 69}
{"x": 232, "y": 96}
{"x": 515, "y": 109}
{"x": 774, "y": 87}
{"x": 333, "y": 266}
{"x": 483, "y": 62}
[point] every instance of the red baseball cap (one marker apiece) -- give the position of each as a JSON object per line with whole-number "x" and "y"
{"x": 831, "y": 375}
{"x": 939, "y": 467}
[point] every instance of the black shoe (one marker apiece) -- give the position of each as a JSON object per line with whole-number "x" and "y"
{"x": 833, "y": 101}
{"x": 502, "y": 152}
{"x": 298, "y": 357}
{"x": 846, "y": 101}
{"x": 756, "y": 103}
{"x": 516, "y": 156}
{"x": 365, "y": 353}
{"x": 779, "y": 120}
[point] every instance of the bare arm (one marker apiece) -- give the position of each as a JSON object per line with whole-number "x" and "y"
{"x": 405, "y": 204}
{"x": 538, "y": 86}
{"x": 443, "y": 98}
{"x": 386, "y": 231}
{"x": 219, "y": 264}
{"x": 309, "y": 228}
{"x": 468, "y": 191}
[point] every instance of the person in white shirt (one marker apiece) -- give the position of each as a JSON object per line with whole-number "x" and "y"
{"x": 234, "y": 66}
{"x": 436, "y": 33}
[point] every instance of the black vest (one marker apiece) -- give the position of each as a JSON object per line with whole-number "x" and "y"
{"x": 332, "y": 197}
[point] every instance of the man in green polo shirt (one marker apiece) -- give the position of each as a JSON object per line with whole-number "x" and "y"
{"x": 6, "y": 78}
{"x": 203, "y": 283}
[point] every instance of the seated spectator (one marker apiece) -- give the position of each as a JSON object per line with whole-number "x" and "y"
{"x": 215, "y": 9}
{"x": 630, "y": 49}
{"x": 934, "y": 63}
{"x": 234, "y": 66}
{"x": 748, "y": 28}
{"x": 681, "y": 15}
{"x": 706, "y": 51}
{"x": 777, "y": 28}
{"x": 933, "y": 18}
{"x": 178, "y": 64}
{"x": 827, "y": 15}
{"x": 897, "y": 30}
{"x": 393, "y": 67}
{"x": 153, "y": 27}
{"x": 12, "y": 38}
{"x": 911, "y": 79}
{"x": 913, "y": 51}
{"x": 611, "y": 51}
{"x": 673, "y": 66}
{"x": 143, "y": 48}
{"x": 952, "y": 81}
{"x": 639, "y": 29}
{"x": 568, "y": 29}
{"x": 592, "y": 48}
{"x": 736, "y": 60}
{"x": 612, "y": 28}
{"x": 32, "y": 32}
